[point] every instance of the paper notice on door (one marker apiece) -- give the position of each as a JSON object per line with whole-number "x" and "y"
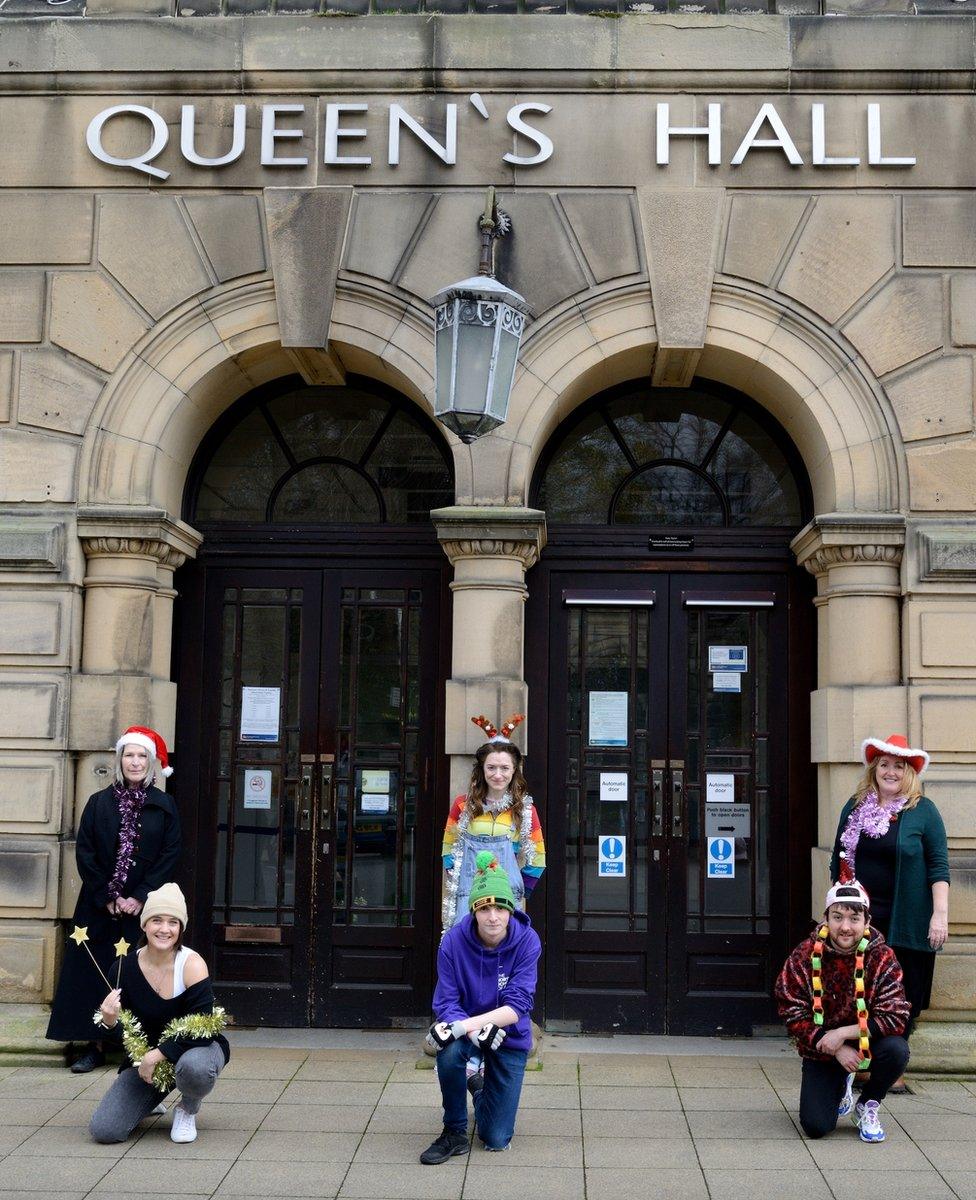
{"x": 608, "y": 719}
{"x": 728, "y": 658}
{"x": 375, "y": 781}
{"x": 613, "y": 786}
{"x": 374, "y": 802}
{"x": 260, "y": 709}
{"x": 726, "y": 681}
{"x": 257, "y": 789}
{"x": 719, "y": 788}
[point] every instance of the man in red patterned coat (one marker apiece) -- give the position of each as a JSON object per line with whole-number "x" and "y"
{"x": 841, "y": 996}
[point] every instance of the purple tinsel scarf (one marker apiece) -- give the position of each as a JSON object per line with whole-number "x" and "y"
{"x": 871, "y": 818}
{"x": 130, "y": 801}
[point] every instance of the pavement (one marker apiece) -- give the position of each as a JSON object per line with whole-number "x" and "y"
{"x": 331, "y": 1115}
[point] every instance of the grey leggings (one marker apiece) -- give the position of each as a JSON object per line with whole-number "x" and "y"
{"x": 129, "y": 1100}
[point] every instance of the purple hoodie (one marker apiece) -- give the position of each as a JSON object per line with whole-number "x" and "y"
{"x": 473, "y": 979}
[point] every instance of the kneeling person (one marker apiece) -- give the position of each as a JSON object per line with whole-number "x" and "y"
{"x": 841, "y": 996}
{"x": 486, "y": 976}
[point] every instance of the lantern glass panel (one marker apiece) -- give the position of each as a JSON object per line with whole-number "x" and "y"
{"x": 474, "y": 361}
{"x": 508, "y": 345}
{"x": 444, "y": 356}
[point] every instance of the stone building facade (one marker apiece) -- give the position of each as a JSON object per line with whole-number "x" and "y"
{"x": 779, "y": 206}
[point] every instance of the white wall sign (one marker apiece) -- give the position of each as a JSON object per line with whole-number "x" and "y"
{"x": 721, "y": 858}
{"x": 257, "y": 789}
{"x": 608, "y": 719}
{"x": 726, "y": 681}
{"x": 728, "y": 658}
{"x": 343, "y": 131}
{"x": 613, "y": 786}
{"x": 260, "y": 709}
{"x": 612, "y": 856}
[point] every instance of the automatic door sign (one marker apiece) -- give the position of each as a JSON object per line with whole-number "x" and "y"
{"x": 721, "y": 858}
{"x": 613, "y": 856}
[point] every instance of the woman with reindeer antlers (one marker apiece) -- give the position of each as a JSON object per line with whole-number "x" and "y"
{"x": 497, "y": 814}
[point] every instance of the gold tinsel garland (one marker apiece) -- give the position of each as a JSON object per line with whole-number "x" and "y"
{"x": 136, "y": 1044}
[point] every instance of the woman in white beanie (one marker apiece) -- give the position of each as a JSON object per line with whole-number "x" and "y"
{"x": 128, "y": 843}
{"x": 161, "y": 981}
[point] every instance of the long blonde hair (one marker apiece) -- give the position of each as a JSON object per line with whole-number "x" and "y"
{"x": 911, "y": 785}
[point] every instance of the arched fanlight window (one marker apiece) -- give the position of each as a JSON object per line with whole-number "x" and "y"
{"x": 639, "y": 455}
{"x": 297, "y": 455}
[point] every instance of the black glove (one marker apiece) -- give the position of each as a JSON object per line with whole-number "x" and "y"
{"x": 441, "y": 1034}
{"x": 490, "y": 1037}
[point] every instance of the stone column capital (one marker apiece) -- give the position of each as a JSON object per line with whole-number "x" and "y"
{"x": 850, "y": 540}
{"x": 136, "y": 533}
{"x": 470, "y": 532}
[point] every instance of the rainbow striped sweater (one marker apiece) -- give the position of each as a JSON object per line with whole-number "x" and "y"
{"x": 532, "y": 858}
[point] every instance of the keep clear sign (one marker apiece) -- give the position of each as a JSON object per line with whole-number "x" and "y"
{"x": 721, "y": 858}
{"x": 613, "y": 856}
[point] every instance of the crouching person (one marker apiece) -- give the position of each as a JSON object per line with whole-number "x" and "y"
{"x": 486, "y": 977}
{"x": 165, "y": 987}
{"x": 841, "y": 996}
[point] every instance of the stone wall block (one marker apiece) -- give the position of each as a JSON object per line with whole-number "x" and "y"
{"x": 102, "y": 705}
{"x": 27, "y": 956}
{"x": 230, "y": 229}
{"x": 946, "y": 721}
{"x": 33, "y": 710}
{"x": 954, "y": 985}
{"x": 760, "y": 229}
{"x": 6, "y": 384}
{"x": 306, "y": 230}
{"x": 962, "y": 307}
{"x": 34, "y": 625}
{"x": 91, "y": 319}
{"x": 952, "y": 786}
{"x": 28, "y": 877}
{"x": 31, "y": 545}
{"x": 939, "y": 231}
{"x": 144, "y": 243}
{"x": 31, "y": 792}
{"x": 381, "y": 228}
{"x": 935, "y": 399}
{"x": 842, "y": 717}
{"x": 847, "y": 245}
{"x": 901, "y": 323}
{"x": 943, "y": 478}
{"x": 52, "y": 228}
{"x": 447, "y": 249}
{"x": 56, "y": 392}
{"x": 21, "y": 306}
{"x": 948, "y": 639}
{"x": 681, "y": 229}
{"x": 496, "y": 698}
{"x": 605, "y": 225}
{"x": 35, "y": 467}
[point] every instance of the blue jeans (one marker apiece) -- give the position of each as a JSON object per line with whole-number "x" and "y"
{"x": 496, "y": 1106}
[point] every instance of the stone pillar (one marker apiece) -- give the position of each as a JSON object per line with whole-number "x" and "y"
{"x": 856, "y": 559}
{"x": 490, "y": 550}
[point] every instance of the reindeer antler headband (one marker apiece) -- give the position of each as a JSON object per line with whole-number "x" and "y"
{"x": 502, "y": 735}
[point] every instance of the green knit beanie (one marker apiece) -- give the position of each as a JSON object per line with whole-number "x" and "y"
{"x": 491, "y": 885}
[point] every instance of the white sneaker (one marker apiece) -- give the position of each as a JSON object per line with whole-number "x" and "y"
{"x": 184, "y": 1125}
{"x": 847, "y": 1100}
{"x": 868, "y": 1123}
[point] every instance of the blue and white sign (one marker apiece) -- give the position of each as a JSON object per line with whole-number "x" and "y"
{"x": 721, "y": 858}
{"x": 613, "y": 856}
{"x": 728, "y": 658}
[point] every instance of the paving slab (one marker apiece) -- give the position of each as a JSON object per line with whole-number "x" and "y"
{"x": 212, "y": 1143}
{"x": 629, "y": 1152}
{"x": 57, "y": 1141}
{"x": 29, "y": 1112}
{"x": 558, "y": 1122}
{"x": 741, "y": 1124}
{"x": 282, "y": 1179}
{"x": 29, "y": 1174}
{"x": 302, "y": 1092}
{"x": 318, "y": 1118}
{"x": 247, "y": 1091}
{"x": 595, "y": 1096}
{"x": 619, "y": 1183}
{"x": 963, "y": 1183}
{"x": 484, "y": 1181}
{"x": 415, "y": 1120}
{"x": 745, "y": 1153}
{"x": 194, "y": 1177}
{"x": 768, "y": 1185}
{"x": 401, "y": 1181}
{"x": 688, "y": 1073}
{"x": 747, "y": 1099}
{"x": 359, "y": 1072}
{"x": 938, "y": 1127}
{"x": 877, "y": 1185}
{"x": 231, "y": 1116}
{"x": 13, "y": 1135}
{"x": 275, "y": 1146}
{"x": 646, "y": 1073}
{"x": 635, "y": 1123}
{"x": 528, "y": 1150}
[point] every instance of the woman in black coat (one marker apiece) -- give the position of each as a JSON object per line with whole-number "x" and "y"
{"x": 128, "y": 844}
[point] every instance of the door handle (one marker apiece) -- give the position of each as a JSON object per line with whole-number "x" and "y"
{"x": 657, "y": 794}
{"x": 327, "y": 797}
{"x": 305, "y": 799}
{"x": 677, "y": 798}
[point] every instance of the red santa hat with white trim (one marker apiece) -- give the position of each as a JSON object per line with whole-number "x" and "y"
{"x": 149, "y": 739}
{"x": 896, "y": 746}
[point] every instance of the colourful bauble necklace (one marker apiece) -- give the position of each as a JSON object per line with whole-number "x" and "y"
{"x": 816, "y": 962}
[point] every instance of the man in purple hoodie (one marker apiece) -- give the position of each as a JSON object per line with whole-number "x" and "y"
{"x": 486, "y": 975}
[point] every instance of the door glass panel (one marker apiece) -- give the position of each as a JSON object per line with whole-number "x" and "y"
{"x": 254, "y": 869}
{"x": 727, "y": 736}
{"x": 379, "y": 713}
{"x": 609, "y": 651}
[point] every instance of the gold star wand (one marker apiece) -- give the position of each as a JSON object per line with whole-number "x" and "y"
{"x": 80, "y": 938}
{"x": 121, "y": 950}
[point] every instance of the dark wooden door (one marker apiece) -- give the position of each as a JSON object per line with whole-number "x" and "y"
{"x": 657, "y": 751}
{"x": 316, "y": 744}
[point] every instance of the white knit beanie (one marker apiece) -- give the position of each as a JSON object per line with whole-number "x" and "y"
{"x": 165, "y": 901}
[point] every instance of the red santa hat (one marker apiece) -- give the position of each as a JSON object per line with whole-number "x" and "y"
{"x": 149, "y": 739}
{"x": 896, "y": 746}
